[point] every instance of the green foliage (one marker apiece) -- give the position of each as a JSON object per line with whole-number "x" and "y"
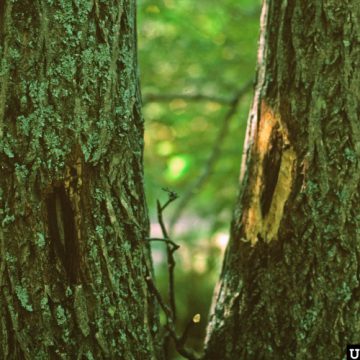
{"x": 195, "y": 47}
{"x": 188, "y": 48}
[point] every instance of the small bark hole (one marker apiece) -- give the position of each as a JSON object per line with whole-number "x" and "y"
{"x": 62, "y": 231}
{"x": 271, "y": 169}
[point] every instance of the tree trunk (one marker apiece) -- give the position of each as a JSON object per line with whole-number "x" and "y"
{"x": 290, "y": 287}
{"x": 73, "y": 257}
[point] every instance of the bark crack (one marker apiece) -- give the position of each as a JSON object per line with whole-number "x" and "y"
{"x": 62, "y": 231}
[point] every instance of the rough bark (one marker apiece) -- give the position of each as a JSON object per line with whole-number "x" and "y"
{"x": 73, "y": 257}
{"x": 289, "y": 287}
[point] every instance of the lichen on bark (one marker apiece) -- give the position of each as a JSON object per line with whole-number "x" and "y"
{"x": 297, "y": 296}
{"x": 73, "y": 255}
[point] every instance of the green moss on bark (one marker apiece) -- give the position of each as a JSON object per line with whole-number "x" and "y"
{"x": 297, "y": 296}
{"x": 73, "y": 214}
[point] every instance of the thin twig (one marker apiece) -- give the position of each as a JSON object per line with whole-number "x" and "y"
{"x": 170, "y": 250}
{"x": 168, "y": 241}
{"x": 170, "y": 312}
{"x": 186, "y": 353}
{"x": 170, "y": 327}
{"x": 214, "y": 156}
{"x": 161, "y": 302}
{"x": 189, "y": 326}
{"x": 148, "y": 98}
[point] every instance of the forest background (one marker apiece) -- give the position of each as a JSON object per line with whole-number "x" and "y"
{"x": 197, "y": 67}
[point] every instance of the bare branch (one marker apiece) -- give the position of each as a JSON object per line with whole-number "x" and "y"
{"x": 170, "y": 250}
{"x": 195, "y": 320}
{"x": 170, "y": 312}
{"x": 170, "y": 327}
{"x": 214, "y": 156}
{"x": 161, "y": 98}
{"x": 160, "y": 300}
{"x": 168, "y": 241}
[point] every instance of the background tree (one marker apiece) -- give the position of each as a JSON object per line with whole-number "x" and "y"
{"x": 290, "y": 282}
{"x": 73, "y": 218}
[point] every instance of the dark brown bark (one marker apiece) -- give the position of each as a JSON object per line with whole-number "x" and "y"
{"x": 289, "y": 287}
{"x": 73, "y": 257}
